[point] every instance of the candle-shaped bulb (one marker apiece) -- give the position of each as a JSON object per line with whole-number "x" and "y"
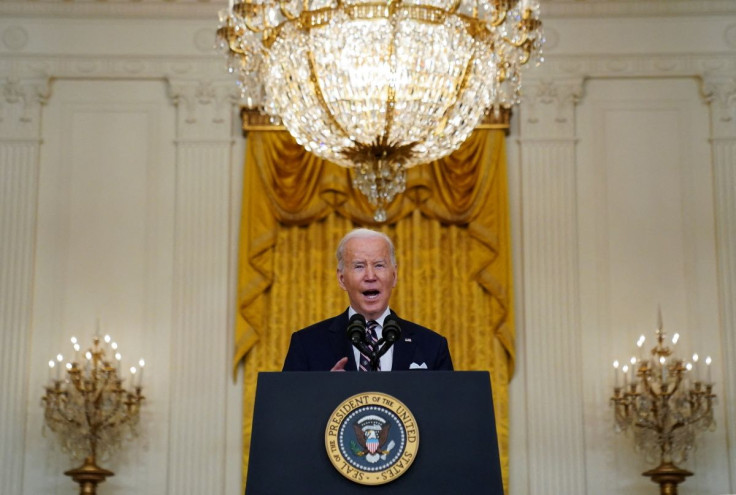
{"x": 632, "y": 361}
{"x": 675, "y": 338}
{"x": 640, "y": 342}
{"x": 615, "y": 373}
{"x": 68, "y": 366}
{"x": 708, "y": 377}
{"x": 107, "y": 339}
{"x": 88, "y": 355}
{"x": 695, "y": 357}
{"x": 114, "y": 346}
{"x": 625, "y": 369}
{"x": 52, "y": 364}
{"x": 76, "y": 347}
{"x": 74, "y": 340}
{"x": 661, "y": 360}
{"x": 118, "y": 356}
{"x": 133, "y": 371}
{"x": 59, "y": 359}
{"x": 689, "y": 366}
{"x": 141, "y": 364}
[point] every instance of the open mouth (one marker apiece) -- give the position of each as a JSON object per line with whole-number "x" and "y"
{"x": 371, "y": 293}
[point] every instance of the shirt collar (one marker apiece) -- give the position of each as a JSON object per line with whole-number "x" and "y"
{"x": 378, "y": 320}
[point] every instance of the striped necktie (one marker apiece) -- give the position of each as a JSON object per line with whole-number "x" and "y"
{"x": 372, "y": 338}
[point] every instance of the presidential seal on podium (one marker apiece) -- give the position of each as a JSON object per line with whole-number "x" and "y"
{"x": 371, "y": 438}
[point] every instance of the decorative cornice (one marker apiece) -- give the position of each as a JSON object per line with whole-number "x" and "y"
{"x": 192, "y": 9}
{"x": 637, "y": 8}
{"x": 114, "y": 66}
{"x": 645, "y": 65}
{"x": 163, "y": 9}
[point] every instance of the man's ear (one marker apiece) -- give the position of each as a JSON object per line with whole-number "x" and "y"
{"x": 396, "y": 275}
{"x": 340, "y": 281}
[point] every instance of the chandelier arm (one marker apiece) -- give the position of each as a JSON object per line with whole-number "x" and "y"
{"x": 499, "y": 15}
{"x": 647, "y": 425}
{"x": 59, "y": 408}
{"x": 646, "y": 382}
{"x": 700, "y": 415}
{"x": 622, "y": 416}
{"x": 51, "y": 415}
{"x": 247, "y": 12}
{"x": 285, "y": 11}
{"x": 456, "y": 5}
{"x": 108, "y": 420}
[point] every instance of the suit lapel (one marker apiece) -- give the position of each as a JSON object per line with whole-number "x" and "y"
{"x": 404, "y": 348}
{"x": 341, "y": 346}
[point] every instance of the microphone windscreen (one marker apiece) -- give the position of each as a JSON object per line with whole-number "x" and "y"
{"x": 356, "y": 328}
{"x": 391, "y": 329}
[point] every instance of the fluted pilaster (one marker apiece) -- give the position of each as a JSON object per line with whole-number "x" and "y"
{"x": 201, "y": 276}
{"x": 721, "y": 94}
{"x": 551, "y": 294}
{"x": 19, "y": 151}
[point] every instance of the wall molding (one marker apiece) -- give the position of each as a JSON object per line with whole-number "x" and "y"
{"x": 192, "y": 9}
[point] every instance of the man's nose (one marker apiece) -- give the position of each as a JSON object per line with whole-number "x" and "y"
{"x": 370, "y": 273}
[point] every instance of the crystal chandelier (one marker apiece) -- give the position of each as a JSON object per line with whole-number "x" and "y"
{"x": 664, "y": 401}
{"x": 91, "y": 408}
{"x": 380, "y": 85}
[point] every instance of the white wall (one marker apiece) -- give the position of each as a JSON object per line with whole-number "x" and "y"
{"x": 120, "y": 178}
{"x": 624, "y": 188}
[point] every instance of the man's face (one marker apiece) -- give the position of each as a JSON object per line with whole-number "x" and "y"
{"x": 367, "y": 275}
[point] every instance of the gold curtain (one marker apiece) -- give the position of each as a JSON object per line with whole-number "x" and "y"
{"x": 451, "y": 233}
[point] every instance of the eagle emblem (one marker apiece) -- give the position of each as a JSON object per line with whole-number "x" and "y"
{"x": 371, "y": 433}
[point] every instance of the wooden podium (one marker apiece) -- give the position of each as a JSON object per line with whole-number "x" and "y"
{"x": 457, "y": 449}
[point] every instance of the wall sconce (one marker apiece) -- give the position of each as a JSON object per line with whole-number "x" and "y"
{"x": 664, "y": 401}
{"x": 91, "y": 409}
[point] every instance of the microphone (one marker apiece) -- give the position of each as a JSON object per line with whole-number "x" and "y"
{"x": 390, "y": 333}
{"x": 357, "y": 335}
{"x": 356, "y": 329}
{"x": 391, "y": 329}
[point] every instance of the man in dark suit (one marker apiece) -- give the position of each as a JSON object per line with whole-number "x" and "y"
{"x": 366, "y": 270}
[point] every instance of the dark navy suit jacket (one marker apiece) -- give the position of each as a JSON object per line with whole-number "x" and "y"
{"x": 318, "y": 347}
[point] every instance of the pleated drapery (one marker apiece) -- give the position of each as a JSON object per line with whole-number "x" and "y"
{"x": 451, "y": 233}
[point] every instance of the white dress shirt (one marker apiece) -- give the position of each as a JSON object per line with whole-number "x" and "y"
{"x": 388, "y": 358}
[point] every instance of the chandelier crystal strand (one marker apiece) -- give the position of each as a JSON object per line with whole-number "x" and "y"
{"x": 380, "y": 86}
